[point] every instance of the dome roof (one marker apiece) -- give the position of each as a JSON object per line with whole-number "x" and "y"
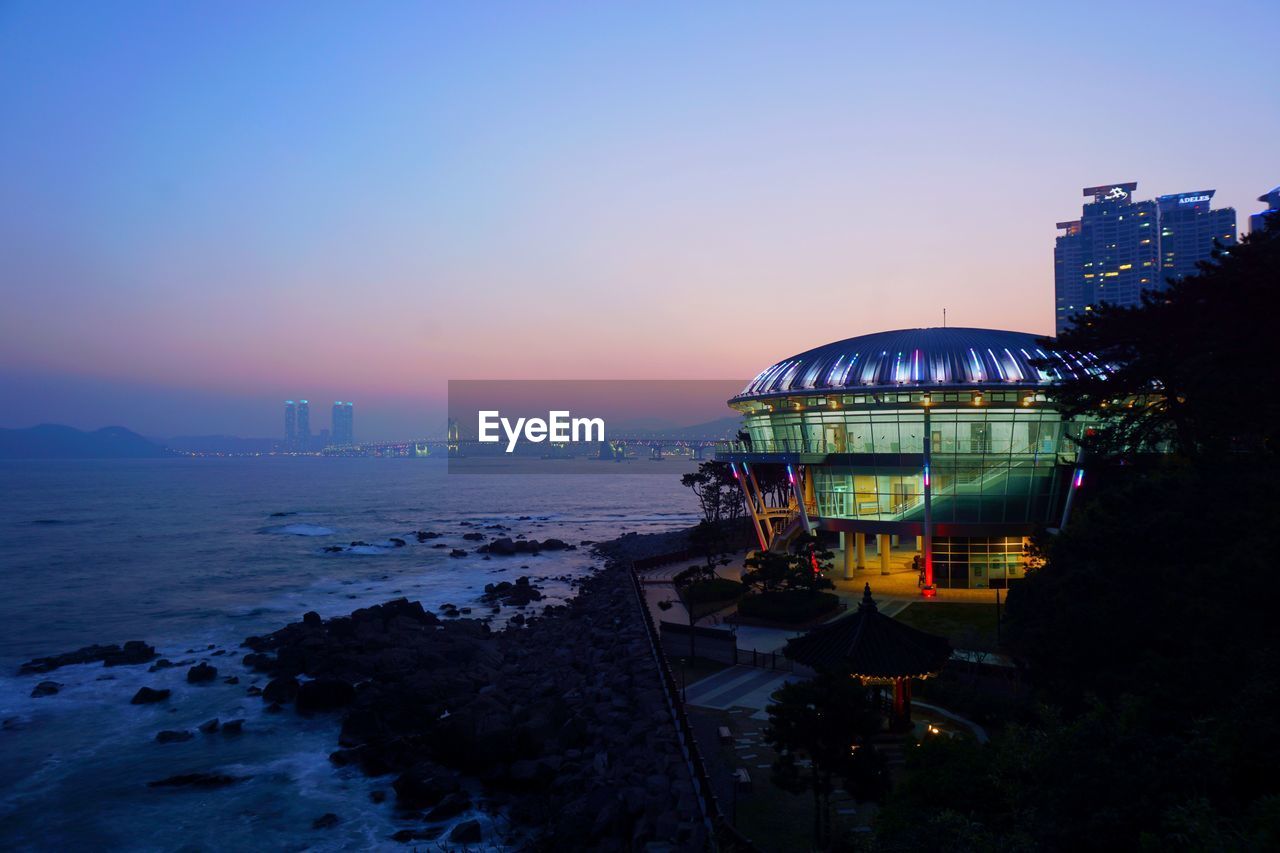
{"x": 919, "y": 358}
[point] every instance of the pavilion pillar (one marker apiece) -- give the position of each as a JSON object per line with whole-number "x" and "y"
{"x": 899, "y": 704}
{"x": 860, "y": 541}
{"x": 846, "y": 545}
{"x": 882, "y": 545}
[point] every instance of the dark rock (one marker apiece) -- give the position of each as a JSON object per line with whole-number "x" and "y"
{"x": 457, "y": 552}
{"x": 133, "y": 652}
{"x": 399, "y": 543}
{"x": 281, "y": 690}
{"x": 258, "y": 661}
{"x": 197, "y": 780}
{"x": 377, "y": 796}
{"x": 45, "y": 688}
{"x": 326, "y": 821}
{"x": 312, "y": 619}
{"x": 209, "y": 726}
{"x": 231, "y": 679}
{"x": 424, "y": 785}
{"x": 201, "y": 673}
{"x": 163, "y": 663}
{"x": 467, "y": 832}
{"x": 274, "y": 708}
{"x": 450, "y": 807}
{"x": 253, "y": 690}
{"x": 147, "y": 695}
{"x": 324, "y": 694}
{"x": 406, "y": 835}
{"x": 233, "y": 727}
{"x": 171, "y": 736}
{"x": 474, "y": 536}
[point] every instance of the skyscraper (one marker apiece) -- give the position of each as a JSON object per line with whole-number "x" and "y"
{"x": 290, "y": 425}
{"x": 1258, "y": 221}
{"x": 343, "y": 423}
{"x": 304, "y": 425}
{"x": 1188, "y": 230}
{"x": 1120, "y": 246}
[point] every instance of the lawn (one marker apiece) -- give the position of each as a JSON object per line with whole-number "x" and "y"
{"x": 967, "y": 626}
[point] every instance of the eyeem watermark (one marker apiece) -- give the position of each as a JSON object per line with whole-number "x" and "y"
{"x": 559, "y": 426}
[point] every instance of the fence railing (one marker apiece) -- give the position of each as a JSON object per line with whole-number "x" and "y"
{"x": 721, "y": 834}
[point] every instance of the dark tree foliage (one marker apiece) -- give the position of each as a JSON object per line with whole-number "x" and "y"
{"x": 1195, "y": 365}
{"x": 777, "y": 571}
{"x": 1149, "y": 632}
{"x": 826, "y": 722}
{"x": 719, "y": 496}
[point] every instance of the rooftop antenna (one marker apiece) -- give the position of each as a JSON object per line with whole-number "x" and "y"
{"x": 944, "y": 318}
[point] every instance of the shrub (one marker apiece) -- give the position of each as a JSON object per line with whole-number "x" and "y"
{"x": 790, "y": 606}
{"x": 717, "y": 589}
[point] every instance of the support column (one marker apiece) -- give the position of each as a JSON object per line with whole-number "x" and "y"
{"x": 926, "y": 544}
{"x": 797, "y": 489}
{"x": 751, "y": 507}
{"x": 846, "y": 545}
{"x": 920, "y": 544}
{"x": 860, "y": 542}
{"x": 882, "y": 544}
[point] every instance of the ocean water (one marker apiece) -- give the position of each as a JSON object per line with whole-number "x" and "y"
{"x": 193, "y": 555}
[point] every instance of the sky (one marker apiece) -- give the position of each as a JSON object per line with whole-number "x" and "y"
{"x": 208, "y": 208}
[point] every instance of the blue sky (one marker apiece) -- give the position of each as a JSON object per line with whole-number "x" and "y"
{"x": 206, "y": 208}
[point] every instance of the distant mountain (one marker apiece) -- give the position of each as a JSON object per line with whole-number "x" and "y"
{"x": 718, "y": 429}
{"x": 54, "y": 441}
{"x": 218, "y": 444}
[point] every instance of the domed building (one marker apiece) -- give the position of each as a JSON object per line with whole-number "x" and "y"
{"x": 941, "y": 434}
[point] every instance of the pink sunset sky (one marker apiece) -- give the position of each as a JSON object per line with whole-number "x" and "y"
{"x": 207, "y": 209}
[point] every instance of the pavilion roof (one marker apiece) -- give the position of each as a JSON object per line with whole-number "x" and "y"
{"x": 871, "y": 646}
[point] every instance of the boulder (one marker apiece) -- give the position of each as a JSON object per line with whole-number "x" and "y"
{"x": 280, "y": 690}
{"x": 197, "y": 780}
{"x": 424, "y": 785}
{"x": 201, "y": 673}
{"x": 209, "y": 726}
{"x": 324, "y": 694}
{"x": 450, "y": 807}
{"x": 326, "y": 821}
{"x": 233, "y": 727}
{"x": 467, "y": 832}
{"x": 312, "y": 619}
{"x": 45, "y": 688}
{"x": 148, "y": 695}
{"x": 172, "y": 736}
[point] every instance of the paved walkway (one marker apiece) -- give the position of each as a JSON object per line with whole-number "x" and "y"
{"x": 737, "y": 687}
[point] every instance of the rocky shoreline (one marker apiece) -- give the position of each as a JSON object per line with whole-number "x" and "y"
{"x": 558, "y": 723}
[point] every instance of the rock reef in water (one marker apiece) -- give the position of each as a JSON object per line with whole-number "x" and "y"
{"x": 564, "y": 722}
{"x": 133, "y": 652}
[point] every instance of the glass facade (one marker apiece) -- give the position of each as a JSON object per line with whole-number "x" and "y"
{"x": 988, "y": 463}
{"x": 978, "y": 562}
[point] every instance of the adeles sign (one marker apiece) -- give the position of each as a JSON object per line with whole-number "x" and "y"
{"x": 1192, "y": 199}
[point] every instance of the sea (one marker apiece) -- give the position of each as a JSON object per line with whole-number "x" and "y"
{"x": 193, "y": 555}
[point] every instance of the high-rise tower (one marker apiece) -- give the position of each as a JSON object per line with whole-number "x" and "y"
{"x": 343, "y": 423}
{"x": 1120, "y": 247}
{"x": 290, "y": 425}
{"x": 304, "y": 425}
